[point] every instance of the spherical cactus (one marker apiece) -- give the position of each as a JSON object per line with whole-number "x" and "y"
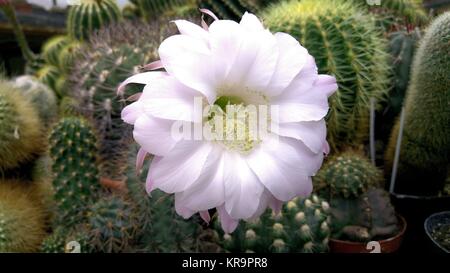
{"x": 20, "y": 128}
{"x": 348, "y": 174}
{"x": 112, "y": 56}
{"x": 91, "y": 15}
{"x": 22, "y": 220}
{"x": 68, "y": 107}
{"x": 73, "y": 150}
{"x": 68, "y": 55}
{"x": 347, "y": 44}
{"x": 42, "y": 98}
{"x": 233, "y": 9}
{"x": 52, "y": 48}
{"x": 61, "y": 239}
{"x": 113, "y": 224}
{"x": 302, "y": 226}
{"x": 425, "y": 148}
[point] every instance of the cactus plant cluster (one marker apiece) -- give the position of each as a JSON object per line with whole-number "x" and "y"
{"x": 116, "y": 53}
{"x": 301, "y": 227}
{"x": 425, "y": 147}
{"x": 347, "y": 44}
{"x": 360, "y": 210}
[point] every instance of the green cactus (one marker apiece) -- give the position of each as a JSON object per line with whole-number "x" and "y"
{"x": 346, "y": 44}
{"x": 42, "y": 98}
{"x": 233, "y": 9}
{"x": 367, "y": 217}
{"x": 21, "y": 137}
{"x": 48, "y": 75}
{"x": 151, "y": 9}
{"x": 58, "y": 241}
{"x": 348, "y": 174}
{"x": 52, "y": 48}
{"x": 22, "y": 220}
{"x": 115, "y": 54}
{"x": 302, "y": 226}
{"x": 113, "y": 224}
{"x": 91, "y": 15}
{"x": 68, "y": 106}
{"x": 425, "y": 148}
{"x": 68, "y": 55}
{"x": 73, "y": 149}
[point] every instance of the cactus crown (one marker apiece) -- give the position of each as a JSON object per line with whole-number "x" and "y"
{"x": 348, "y": 174}
{"x": 347, "y": 44}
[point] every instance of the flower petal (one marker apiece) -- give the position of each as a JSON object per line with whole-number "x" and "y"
{"x": 312, "y": 133}
{"x": 190, "y": 29}
{"x": 228, "y": 224}
{"x": 251, "y": 23}
{"x": 132, "y": 112}
{"x": 179, "y": 169}
{"x": 242, "y": 188}
{"x": 141, "y": 78}
{"x": 284, "y": 166}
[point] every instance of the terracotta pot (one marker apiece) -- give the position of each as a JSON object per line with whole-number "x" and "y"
{"x": 387, "y": 246}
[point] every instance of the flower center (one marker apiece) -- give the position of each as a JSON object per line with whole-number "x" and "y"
{"x": 233, "y": 124}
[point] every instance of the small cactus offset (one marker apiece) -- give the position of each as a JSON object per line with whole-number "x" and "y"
{"x": 348, "y": 174}
{"x": 22, "y": 220}
{"x": 42, "y": 98}
{"x": 112, "y": 224}
{"x": 48, "y": 75}
{"x": 116, "y": 53}
{"x": 52, "y": 48}
{"x": 91, "y": 15}
{"x": 347, "y": 44}
{"x": 73, "y": 150}
{"x": 302, "y": 226}
{"x": 425, "y": 148}
{"x": 21, "y": 138}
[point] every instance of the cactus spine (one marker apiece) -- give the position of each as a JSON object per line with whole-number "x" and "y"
{"x": 345, "y": 43}
{"x": 73, "y": 150}
{"x": 425, "y": 147}
{"x": 302, "y": 226}
{"x": 22, "y": 220}
{"x": 20, "y": 134}
{"x": 91, "y": 15}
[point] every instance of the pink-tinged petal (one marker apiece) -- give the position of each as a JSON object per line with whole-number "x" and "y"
{"x": 189, "y": 60}
{"x": 210, "y": 13}
{"x": 180, "y": 168}
{"x": 132, "y": 112}
{"x": 228, "y": 224}
{"x": 242, "y": 188}
{"x": 149, "y": 182}
{"x": 292, "y": 59}
{"x": 208, "y": 191}
{"x": 153, "y": 65}
{"x": 205, "y": 216}
{"x": 193, "y": 30}
{"x": 170, "y": 99}
{"x": 311, "y": 133}
{"x": 262, "y": 206}
{"x": 251, "y": 23}
{"x": 183, "y": 211}
{"x": 326, "y": 148}
{"x": 255, "y": 63}
{"x": 142, "y": 78}
{"x": 276, "y": 205}
{"x": 140, "y": 157}
{"x": 154, "y": 135}
{"x": 284, "y": 166}
{"x": 134, "y": 97}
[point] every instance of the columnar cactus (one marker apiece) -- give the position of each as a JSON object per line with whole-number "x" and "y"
{"x": 91, "y": 15}
{"x": 73, "y": 150}
{"x": 347, "y": 44}
{"x": 112, "y": 56}
{"x": 20, "y": 128}
{"x": 302, "y": 226}
{"x": 348, "y": 174}
{"x": 42, "y": 98}
{"x": 22, "y": 220}
{"x": 425, "y": 148}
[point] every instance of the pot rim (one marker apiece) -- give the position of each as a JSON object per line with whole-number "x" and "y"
{"x": 428, "y": 233}
{"x": 404, "y": 225}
